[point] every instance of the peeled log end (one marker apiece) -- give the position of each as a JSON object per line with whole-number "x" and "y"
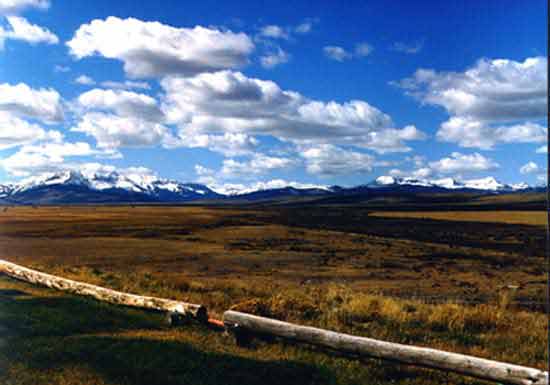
{"x": 200, "y": 314}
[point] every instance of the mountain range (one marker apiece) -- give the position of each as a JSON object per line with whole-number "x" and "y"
{"x": 74, "y": 187}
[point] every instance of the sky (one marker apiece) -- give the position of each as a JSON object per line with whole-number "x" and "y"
{"x": 254, "y": 93}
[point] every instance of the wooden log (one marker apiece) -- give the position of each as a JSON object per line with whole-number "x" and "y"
{"x": 197, "y": 312}
{"x": 367, "y": 347}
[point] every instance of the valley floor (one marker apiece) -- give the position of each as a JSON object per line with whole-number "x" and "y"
{"x": 471, "y": 283}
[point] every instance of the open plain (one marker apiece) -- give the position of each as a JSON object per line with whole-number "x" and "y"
{"x": 468, "y": 281}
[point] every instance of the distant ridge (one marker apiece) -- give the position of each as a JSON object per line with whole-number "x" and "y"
{"x": 74, "y": 187}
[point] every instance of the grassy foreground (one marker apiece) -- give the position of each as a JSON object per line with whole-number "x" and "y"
{"x": 339, "y": 269}
{"x": 50, "y": 338}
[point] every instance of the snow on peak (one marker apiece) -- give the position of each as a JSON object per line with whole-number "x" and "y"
{"x": 448, "y": 183}
{"x": 488, "y": 183}
{"x": 385, "y": 180}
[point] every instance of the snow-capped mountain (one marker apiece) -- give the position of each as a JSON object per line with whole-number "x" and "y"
{"x": 75, "y": 186}
{"x": 114, "y": 187}
{"x": 488, "y": 184}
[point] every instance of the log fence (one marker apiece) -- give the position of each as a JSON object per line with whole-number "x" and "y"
{"x": 243, "y": 324}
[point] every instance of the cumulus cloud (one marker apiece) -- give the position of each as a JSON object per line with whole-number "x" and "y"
{"x": 495, "y": 101}
{"x": 21, "y": 29}
{"x": 119, "y": 118}
{"x": 113, "y": 131}
{"x": 529, "y": 168}
{"x": 331, "y": 160}
{"x": 258, "y": 164}
{"x": 153, "y": 49}
{"x": 468, "y": 132}
{"x": 12, "y": 7}
{"x": 419, "y": 173}
{"x": 274, "y": 32}
{"x": 16, "y": 132}
{"x": 463, "y": 163}
{"x": 392, "y": 139}
{"x": 274, "y": 58}
{"x": 46, "y": 157}
{"x": 123, "y": 103}
{"x": 542, "y": 150}
{"x": 229, "y": 144}
{"x": 230, "y": 102}
{"x": 23, "y": 101}
{"x": 85, "y": 80}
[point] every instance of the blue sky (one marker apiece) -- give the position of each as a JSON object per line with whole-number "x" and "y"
{"x": 261, "y": 91}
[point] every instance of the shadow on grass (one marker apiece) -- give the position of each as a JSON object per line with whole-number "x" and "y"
{"x": 44, "y": 335}
{"x": 65, "y": 316}
{"x": 139, "y": 361}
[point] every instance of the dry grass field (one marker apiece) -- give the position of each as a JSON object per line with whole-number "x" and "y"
{"x": 469, "y": 282}
{"x": 534, "y": 218}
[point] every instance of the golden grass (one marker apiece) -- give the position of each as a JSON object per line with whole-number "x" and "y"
{"x": 535, "y": 218}
{"x": 349, "y": 274}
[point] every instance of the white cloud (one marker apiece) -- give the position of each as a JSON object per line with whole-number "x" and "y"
{"x": 85, "y": 80}
{"x": 331, "y": 160}
{"x": 113, "y": 131}
{"x": 151, "y": 49}
{"x": 529, "y": 168}
{"x": 468, "y": 132}
{"x": 463, "y": 163}
{"x": 411, "y": 48}
{"x": 259, "y": 164}
{"x": 420, "y": 173}
{"x": 363, "y": 49}
{"x": 495, "y": 101}
{"x": 229, "y": 144}
{"x": 12, "y": 7}
{"x": 23, "y": 101}
{"x": 274, "y": 32}
{"x": 275, "y": 58}
{"x": 16, "y": 132}
{"x": 118, "y": 118}
{"x": 126, "y": 85}
{"x": 21, "y": 29}
{"x": 542, "y": 150}
{"x": 337, "y": 53}
{"x": 340, "y": 54}
{"x": 46, "y": 157}
{"x": 229, "y": 102}
{"x": 123, "y": 103}
{"x": 304, "y": 27}
{"x": 392, "y": 139}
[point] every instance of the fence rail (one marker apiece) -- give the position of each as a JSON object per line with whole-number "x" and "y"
{"x": 185, "y": 309}
{"x": 368, "y": 347}
{"x": 250, "y": 324}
